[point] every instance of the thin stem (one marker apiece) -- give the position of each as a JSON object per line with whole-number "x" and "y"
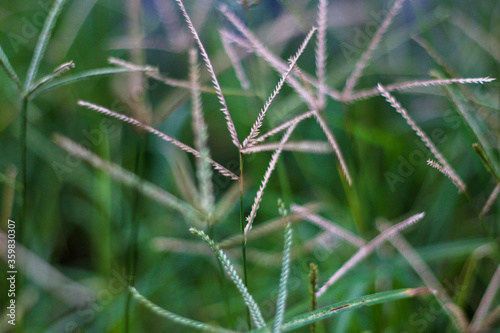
{"x": 133, "y": 254}
{"x": 243, "y": 241}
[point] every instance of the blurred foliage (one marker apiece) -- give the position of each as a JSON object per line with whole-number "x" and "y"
{"x": 81, "y": 222}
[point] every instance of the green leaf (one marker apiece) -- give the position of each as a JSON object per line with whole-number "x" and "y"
{"x": 43, "y": 40}
{"x": 83, "y": 76}
{"x": 330, "y": 311}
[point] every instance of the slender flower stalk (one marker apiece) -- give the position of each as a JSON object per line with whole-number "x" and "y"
{"x": 335, "y": 146}
{"x": 456, "y": 314}
{"x": 367, "y": 93}
{"x": 203, "y": 170}
{"x": 284, "y": 126}
{"x": 368, "y": 249}
{"x": 329, "y": 226}
{"x": 321, "y": 55}
{"x": 274, "y": 61}
{"x": 486, "y": 301}
{"x": 248, "y": 142}
{"x": 265, "y": 180}
{"x": 235, "y": 61}
{"x": 255, "y": 312}
{"x": 215, "y": 81}
{"x": 285, "y": 273}
{"x": 451, "y": 173}
{"x": 367, "y": 55}
{"x": 491, "y": 200}
{"x": 154, "y": 131}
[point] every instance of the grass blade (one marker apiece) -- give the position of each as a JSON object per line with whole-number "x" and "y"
{"x": 86, "y": 75}
{"x": 255, "y": 312}
{"x": 43, "y": 40}
{"x": 330, "y": 311}
{"x": 175, "y": 317}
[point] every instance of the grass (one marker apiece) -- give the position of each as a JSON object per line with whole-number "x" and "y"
{"x": 142, "y": 227}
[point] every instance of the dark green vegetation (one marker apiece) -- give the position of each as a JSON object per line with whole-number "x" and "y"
{"x": 88, "y": 229}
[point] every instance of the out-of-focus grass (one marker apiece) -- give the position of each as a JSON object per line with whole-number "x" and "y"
{"x": 80, "y": 222}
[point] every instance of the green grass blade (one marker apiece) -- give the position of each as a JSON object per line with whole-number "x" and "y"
{"x": 43, "y": 40}
{"x": 83, "y": 76}
{"x": 175, "y": 317}
{"x": 255, "y": 312}
{"x": 330, "y": 311}
{"x": 7, "y": 67}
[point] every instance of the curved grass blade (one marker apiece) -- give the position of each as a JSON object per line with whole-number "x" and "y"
{"x": 43, "y": 40}
{"x": 86, "y": 75}
{"x": 330, "y": 311}
{"x": 7, "y": 67}
{"x": 175, "y": 317}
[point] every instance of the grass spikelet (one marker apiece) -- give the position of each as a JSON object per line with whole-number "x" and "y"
{"x": 364, "y": 94}
{"x": 175, "y": 317}
{"x": 215, "y": 82}
{"x": 452, "y": 174}
{"x": 321, "y": 55}
{"x": 335, "y": 146}
{"x": 328, "y": 226}
{"x": 255, "y": 313}
{"x": 265, "y": 180}
{"x": 368, "y": 249}
{"x": 261, "y": 50}
{"x": 258, "y": 123}
{"x": 284, "y": 126}
{"x": 235, "y": 61}
{"x": 367, "y": 55}
{"x": 161, "y": 135}
{"x": 285, "y": 271}
{"x": 204, "y": 171}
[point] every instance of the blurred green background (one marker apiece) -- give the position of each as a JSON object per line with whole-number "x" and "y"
{"x": 81, "y": 222}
